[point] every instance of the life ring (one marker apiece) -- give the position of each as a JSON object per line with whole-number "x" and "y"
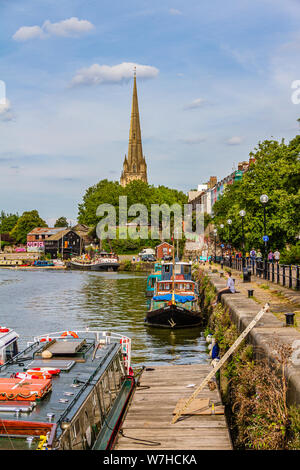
{"x": 69, "y": 333}
{"x": 4, "y": 330}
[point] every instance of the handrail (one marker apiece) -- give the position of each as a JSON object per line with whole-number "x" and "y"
{"x": 287, "y": 275}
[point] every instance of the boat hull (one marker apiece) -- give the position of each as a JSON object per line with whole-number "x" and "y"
{"x": 94, "y": 267}
{"x": 173, "y": 317}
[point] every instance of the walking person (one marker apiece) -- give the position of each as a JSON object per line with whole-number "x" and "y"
{"x": 270, "y": 256}
{"x": 276, "y": 256}
{"x": 229, "y": 289}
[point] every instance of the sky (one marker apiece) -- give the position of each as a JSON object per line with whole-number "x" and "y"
{"x": 214, "y": 78}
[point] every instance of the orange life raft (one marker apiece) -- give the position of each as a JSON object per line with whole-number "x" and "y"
{"x": 23, "y": 389}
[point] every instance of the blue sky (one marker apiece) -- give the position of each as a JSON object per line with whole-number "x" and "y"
{"x": 214, "y": 78}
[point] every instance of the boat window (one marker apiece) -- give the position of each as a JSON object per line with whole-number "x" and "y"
{"x": 186, "y": 269}
{"x": 76, "y": 428}
{"x": 167, "y": 268}
{"x": 10, "y": 351}
{"x": 177, "y": 268}
{"x": 106, "y": 392}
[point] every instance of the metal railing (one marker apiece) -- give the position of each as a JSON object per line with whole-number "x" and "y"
{"x": 282, "y": 274}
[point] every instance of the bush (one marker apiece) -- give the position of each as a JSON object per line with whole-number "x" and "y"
{"x": 291, "y": 255}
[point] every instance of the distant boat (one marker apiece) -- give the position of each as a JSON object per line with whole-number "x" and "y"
{"x": 43, "y": 263}
{"x": 152, "y": 279}
{"x": 175, "y": 300}
{"x": 103, "y": 262}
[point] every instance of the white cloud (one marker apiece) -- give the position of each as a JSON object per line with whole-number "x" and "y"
{"x": 175, "y": 12}
{"x": 235, "y": 140}
{"x": 70, "y": 27}
{"x": 97, "y": 74}
{"x": 28, "y": 32}
{"x": 5, "y": 111}
{"x": 197, "y": 103}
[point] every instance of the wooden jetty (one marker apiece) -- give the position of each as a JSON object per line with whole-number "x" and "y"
{"x": 147, "y": 425}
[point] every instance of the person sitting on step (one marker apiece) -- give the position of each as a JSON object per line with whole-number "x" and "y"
{"x": 229, "y": 289}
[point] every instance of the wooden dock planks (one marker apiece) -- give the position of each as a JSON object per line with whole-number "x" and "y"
{"x": 151, "y": 411}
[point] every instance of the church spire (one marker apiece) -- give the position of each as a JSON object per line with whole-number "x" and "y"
{"x": 134, "y": 166}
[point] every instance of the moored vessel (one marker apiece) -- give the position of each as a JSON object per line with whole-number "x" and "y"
{"x": 102, "y": 262}
{"x": 152, "y": 279}
{"x": 65, "y": 390}
{"x": 175, "y": 301}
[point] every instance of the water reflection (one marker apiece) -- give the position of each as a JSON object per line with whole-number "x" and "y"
{"x": 36, "y": 302}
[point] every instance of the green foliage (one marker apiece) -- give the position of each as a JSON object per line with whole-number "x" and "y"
{"x": 27, "y": 222}
{"x": 291, "y": 255}
{"x": 7, "y": 222}
{"x": 61, "y": 222}
{"x": 137, "y": 192}
{"x": 276, "y": 172}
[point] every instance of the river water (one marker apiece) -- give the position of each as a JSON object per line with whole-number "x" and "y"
{"x": 43, "y": 301}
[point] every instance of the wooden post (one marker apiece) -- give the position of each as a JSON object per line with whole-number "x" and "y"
{"x": 222, "y": 361}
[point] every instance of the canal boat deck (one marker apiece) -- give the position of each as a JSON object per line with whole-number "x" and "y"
{"x": 151, "y": 411}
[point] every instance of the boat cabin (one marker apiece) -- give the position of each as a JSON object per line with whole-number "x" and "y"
{"x": 182, "y": 269}
{"x": 8, "y": 344}
{"x": 181, "y": 286}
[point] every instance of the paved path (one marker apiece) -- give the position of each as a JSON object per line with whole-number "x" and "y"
{"x": 281, "y": 299}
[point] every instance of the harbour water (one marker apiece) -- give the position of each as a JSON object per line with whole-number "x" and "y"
{"x": 42, "y": 301}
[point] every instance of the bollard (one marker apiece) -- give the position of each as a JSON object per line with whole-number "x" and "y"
{"x": 289, "y": 319}
{"x": 250, "y": 292}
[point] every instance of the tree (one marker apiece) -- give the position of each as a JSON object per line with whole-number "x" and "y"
{"x": 136, "y": 191}
{"x": 276, "y": 172}
{"x": 7, "y": 222}
{"x": 27, "y": 222}
{"x": 61, "y": 222}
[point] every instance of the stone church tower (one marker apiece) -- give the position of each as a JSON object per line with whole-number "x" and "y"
{"x": 134, "y": 166}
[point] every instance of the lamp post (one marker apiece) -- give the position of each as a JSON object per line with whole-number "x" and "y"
{"x": 222, "y": 245}
{"x": 215, "y": 234}
{"x": 242, "y": 214}
{"x": 229, "y": 222}
{"x": 264, "y": 200}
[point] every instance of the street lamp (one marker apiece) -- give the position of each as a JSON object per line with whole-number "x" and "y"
{"x": 264, "y": 200}
{"x": 222, "y": 245}
{"x": 242, "y": 214}
{"x": 229, "y": 222}
{"x": 215, "y": 234}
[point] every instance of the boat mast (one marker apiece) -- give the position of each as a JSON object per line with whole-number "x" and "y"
{"x": 173, "y": 274}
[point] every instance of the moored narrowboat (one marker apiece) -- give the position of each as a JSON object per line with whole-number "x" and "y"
{"x": 65, "y": 390}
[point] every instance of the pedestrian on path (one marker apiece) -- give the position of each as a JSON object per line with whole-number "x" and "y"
{"x": 277, "y": 256}
{"x": 270, "y": 256}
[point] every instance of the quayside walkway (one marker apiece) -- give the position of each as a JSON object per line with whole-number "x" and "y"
{"x": 281, "y": 299}
{"x": 147, "y": 425}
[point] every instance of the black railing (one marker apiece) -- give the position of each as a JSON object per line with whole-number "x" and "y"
{"x": 285, "y": 275}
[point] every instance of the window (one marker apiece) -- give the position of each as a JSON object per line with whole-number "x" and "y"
{"x": 10, "y": 351}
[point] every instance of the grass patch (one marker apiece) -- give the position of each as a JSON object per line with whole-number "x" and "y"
{"x": 264, "y": 286}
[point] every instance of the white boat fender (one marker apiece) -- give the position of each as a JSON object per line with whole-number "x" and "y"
{"x": 208, "y": 338}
